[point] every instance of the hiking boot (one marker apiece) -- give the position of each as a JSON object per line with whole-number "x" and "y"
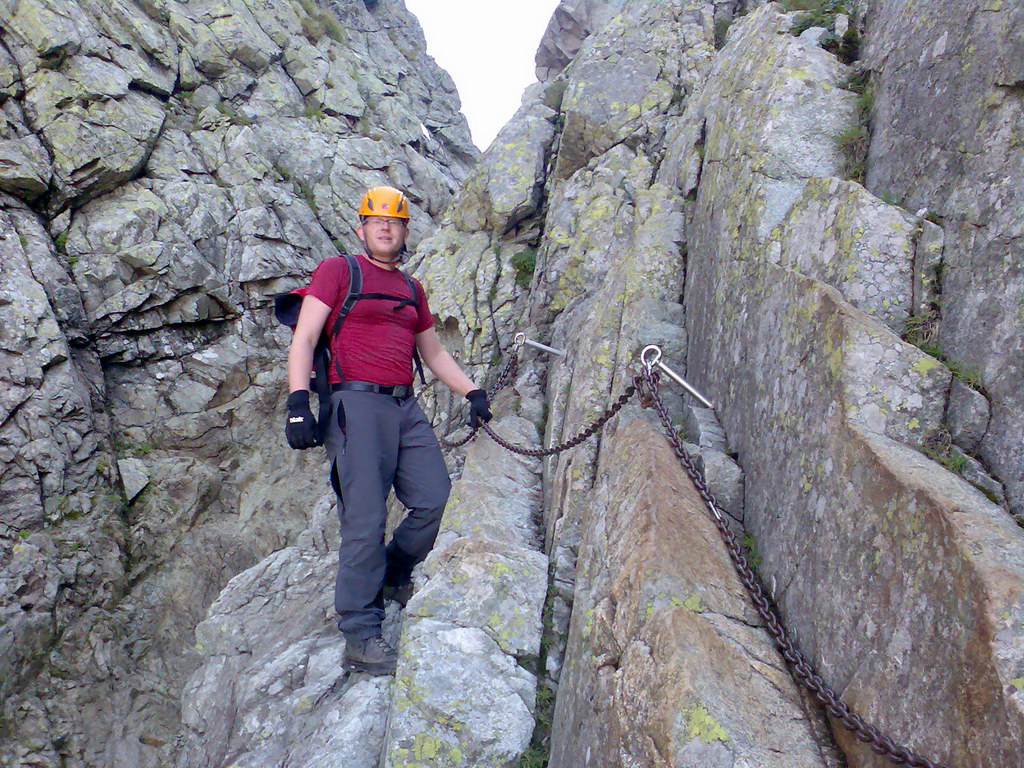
{"x": 373, "y": 655}
{"x": 399, "y": 594}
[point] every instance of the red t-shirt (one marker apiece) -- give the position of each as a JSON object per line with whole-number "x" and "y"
{"x": 375, "y": 342}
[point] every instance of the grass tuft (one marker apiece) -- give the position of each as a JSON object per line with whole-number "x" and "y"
{"x": 922, "y": 330}
{"x": 536, "y": 755}
{"x": 232, "y": 115}
{"x": 855, "y": 140}
{"x": 939, "y": 448}
{"x": 318, "y": 23}
{"x": 823, "y": 13}
{"x": 314, "y": 113}
{"x": 749, "y": 544}
{"x": 524, "y": 262}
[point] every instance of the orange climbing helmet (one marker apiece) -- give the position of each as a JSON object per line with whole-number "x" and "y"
{"x": 384, "y": 201}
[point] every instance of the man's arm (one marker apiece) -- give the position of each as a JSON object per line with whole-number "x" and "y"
{"x": 441, "y": 363}
{"x": 312, "y": 317}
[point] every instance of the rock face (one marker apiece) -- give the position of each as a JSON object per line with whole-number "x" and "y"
{"x": 666, "y": 660}
{"x": 464, "y": 692}
{"x": 705, "y": 206}
{"x": 969, "y": 67}
{"x": 165, "y": 168}
{"x": 460, "y": 696}
{"x": 915, "y": 552}
{"x": 270, "y": 689}
{"x": 827, "y": 247}
{"x": 570, "y": 26}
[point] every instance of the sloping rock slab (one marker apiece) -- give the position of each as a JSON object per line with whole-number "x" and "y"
{"x": 904, "y": 585}
{"x": 463, "y": 696}
{"x": 271, "y": 690}
{"x": 667, "y": 663}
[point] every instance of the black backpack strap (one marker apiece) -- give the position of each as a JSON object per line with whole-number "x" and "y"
{"x": 419, "y": 365}
{"x": 402, "y": 300}
{"x": 415, "y": 302}
{"x": 414, "y": 295}
{"x": 355, "y": 290}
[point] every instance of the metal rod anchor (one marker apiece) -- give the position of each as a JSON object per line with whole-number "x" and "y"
{"x": 521, "y": 339}
{"x": 655, "y": 360}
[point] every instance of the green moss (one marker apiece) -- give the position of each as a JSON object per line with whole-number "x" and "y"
{"x": 524, "y": 262}
{"x": 314, "y": 113}
{"x": 60, "y": 242}
{"x": 125, "y": 447}
{"x": 232, "y": 115}
{"x": 749, "y": 544}
{"x": 309, "y": 197}
{"x": 318, "y": 22}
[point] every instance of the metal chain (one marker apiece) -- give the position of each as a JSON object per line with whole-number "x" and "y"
{"x": 506, "y": 376}
{"x": 585, "y": 434}
{"x": 646, "y": 385}
{"x": 801, "y": 669}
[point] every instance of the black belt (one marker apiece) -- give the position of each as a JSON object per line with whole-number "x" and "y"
{"x": 401, "y": 391}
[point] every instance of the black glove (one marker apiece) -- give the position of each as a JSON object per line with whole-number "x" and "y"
{"x": 479, "y": 407}
{"x": 301, "y": 427}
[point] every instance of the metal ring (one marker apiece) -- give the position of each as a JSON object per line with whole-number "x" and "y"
{"x": 649, "y": 364}
{"x": 520, "y": 339}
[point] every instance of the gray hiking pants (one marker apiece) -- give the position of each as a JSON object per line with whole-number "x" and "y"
{"x": 376, "y": 442}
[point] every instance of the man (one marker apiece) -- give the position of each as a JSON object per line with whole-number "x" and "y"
{"x": 377, "y": 436}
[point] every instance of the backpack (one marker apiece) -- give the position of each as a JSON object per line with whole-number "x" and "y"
{"x": 286, "y": 311}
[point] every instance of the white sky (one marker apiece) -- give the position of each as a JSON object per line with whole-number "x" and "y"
{"x": 487, "y": 46}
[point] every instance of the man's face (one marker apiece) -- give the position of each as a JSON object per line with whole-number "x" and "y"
{"x": 384, "y": 235}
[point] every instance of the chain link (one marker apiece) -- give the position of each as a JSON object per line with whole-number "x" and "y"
{"x": 801, "y": 669}
{"x": 508, "y": 372}
{"x": 585, "y": 434}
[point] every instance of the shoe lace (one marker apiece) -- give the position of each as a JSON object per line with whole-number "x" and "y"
{"x": 383, "y": 645}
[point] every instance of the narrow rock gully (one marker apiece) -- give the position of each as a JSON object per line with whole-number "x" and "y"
{"x": 472, "y": 688}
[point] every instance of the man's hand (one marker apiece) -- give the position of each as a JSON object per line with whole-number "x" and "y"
{"x": 301, "y": 427}
{"x": 479, "y": 407}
